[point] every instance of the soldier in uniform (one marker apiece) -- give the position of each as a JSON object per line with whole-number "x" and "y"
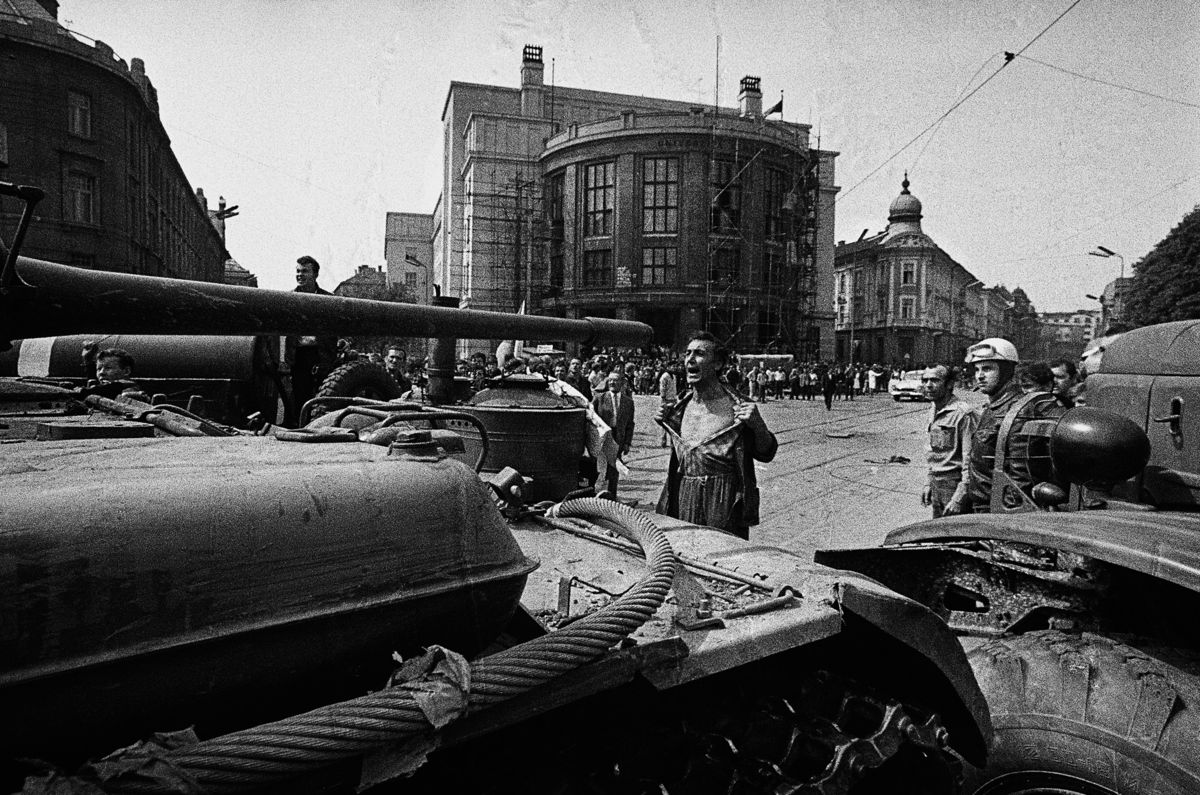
{"x": 951, "y": 424}
{"x": 1025, "y": 455}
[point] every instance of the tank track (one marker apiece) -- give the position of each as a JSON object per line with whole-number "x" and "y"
{"x": 830, "y": 738}
{"x": 826, "y": 737}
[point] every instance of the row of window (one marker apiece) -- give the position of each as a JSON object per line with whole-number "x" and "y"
{"x": 660, "y": 198}
{"x": 659, "y": 267}
{"x": 908, "y": 276}
{"x": 908, "y": 311}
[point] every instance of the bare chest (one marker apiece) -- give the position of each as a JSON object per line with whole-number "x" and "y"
{"x": 704, "y": 419}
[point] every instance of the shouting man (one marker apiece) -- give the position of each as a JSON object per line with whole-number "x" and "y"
{"x": 716, "y": 436}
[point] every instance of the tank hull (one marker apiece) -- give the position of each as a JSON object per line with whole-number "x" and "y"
{"x": 287, "y": 578}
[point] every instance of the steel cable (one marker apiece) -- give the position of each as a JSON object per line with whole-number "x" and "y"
{"x": 286, "y": 748}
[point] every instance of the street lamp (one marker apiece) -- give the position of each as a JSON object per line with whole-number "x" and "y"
{"x": 1106, "y": 253}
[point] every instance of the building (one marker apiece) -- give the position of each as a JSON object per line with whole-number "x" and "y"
{"x": 408, "y": 251}
{"x": 238, "y": 276}
{"x": 902, "y": 300}
{"x": 573, "y": 202}
{"x": 1066, "y": 334}
{"x": 379, "y": 284}
{"x": 82, "y": 125}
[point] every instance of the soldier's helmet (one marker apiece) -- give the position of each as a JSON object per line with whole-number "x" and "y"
{"x": 993, "y": 349}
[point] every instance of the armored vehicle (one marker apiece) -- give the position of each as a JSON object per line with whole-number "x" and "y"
{"x": 1080, "y": 606}
{"x": 348, "y": 605}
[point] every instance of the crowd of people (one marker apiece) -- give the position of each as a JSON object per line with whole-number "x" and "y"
{"x": 707, "y": 410}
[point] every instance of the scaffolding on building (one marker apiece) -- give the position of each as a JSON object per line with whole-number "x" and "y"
{"x": 504, "y": 224}
{"x": 768, "y": 305}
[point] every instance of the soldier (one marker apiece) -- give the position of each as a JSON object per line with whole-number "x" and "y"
{"x": 951, "y": 423}
{"x": 995, "y": 362}
{"x": 1066, "y": 374}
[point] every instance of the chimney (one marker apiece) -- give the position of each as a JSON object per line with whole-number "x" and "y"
{"x": 50, "y": 7}
{"x": 750, "y": 98}
{"x": 532, "y": 86}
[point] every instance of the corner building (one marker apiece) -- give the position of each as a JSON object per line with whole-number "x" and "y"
{"x": 901, "y": 300}
{"x": 82, "y": 125}
{"x": 574, "y": 202}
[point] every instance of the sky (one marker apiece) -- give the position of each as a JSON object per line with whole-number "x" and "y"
{"x": 317, "y": 118}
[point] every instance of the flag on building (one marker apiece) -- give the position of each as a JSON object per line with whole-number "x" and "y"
{"x": 776, "y": 108}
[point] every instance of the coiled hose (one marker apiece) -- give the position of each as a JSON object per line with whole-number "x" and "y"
{"x": 276, "y": 751}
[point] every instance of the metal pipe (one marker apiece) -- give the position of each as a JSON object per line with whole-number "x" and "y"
{"x": 67, "y": 300}
{"x": 441, "y": 359}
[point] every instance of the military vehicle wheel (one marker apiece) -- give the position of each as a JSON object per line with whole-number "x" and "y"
{"x": 360, "y": 379}
{"x": 1084, "y": 714}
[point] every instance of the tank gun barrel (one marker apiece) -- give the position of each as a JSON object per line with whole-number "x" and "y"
{"x": 51, "y": 299}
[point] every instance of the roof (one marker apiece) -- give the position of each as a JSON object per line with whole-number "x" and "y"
{"x": 24, "y": 11}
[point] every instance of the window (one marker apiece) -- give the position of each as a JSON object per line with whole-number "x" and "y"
{"x": 658, "y": 266}
{"x": 908, "y": 307}
{"x": 774, "y": 203}
{"x": 660, "y": 195}
{"x": 774, "y": 276}
{"x": 554, "y": 198}
{"x": 152, "y": 223}
{"x": 80, "y": 197}
{"x": 727, "y": 197}
{"x": 597, "y": 268}
{"x": 410, "y": 280}
{"x": 726, "y": 266}
{"x": 598, "y": 200}
{"x": 908, "y": 273}
{"x": 79, "y": 114}
{"x": 554, "y": 209}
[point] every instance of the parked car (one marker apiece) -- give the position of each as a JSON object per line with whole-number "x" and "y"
{"x": 908, "y": 385}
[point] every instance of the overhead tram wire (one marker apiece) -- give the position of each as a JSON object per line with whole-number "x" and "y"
{"x": 912, "y": 168}
{"x": 956, "y": 105}
{"x": 1091, "y": 79}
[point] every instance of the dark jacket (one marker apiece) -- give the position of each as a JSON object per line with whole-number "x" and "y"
{"x": 668, "y": 501}
{"x": 621, "y": 421}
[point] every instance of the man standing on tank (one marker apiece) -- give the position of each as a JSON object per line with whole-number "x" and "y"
{"x": 716, "y": 436}
{"x": 311, "y": 357}
{"x": 951, "y": 423}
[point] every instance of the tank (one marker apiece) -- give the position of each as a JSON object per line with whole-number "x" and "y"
{"x": 1079, "y": 604}
{"x": 346, "y": 607}
{"x": 530, "y": 429}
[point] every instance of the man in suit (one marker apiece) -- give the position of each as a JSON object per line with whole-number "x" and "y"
{"x": 615, "y": 406}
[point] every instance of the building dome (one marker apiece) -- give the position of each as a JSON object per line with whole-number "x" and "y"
{"x": 905, "y": 207}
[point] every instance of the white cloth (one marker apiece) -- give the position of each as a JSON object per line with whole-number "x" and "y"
{"x": 599, "y": 442}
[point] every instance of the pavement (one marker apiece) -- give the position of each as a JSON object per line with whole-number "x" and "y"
{"x": 841, "y": 479}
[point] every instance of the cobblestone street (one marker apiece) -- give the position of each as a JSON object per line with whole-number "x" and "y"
{"x": 831, "y": 484}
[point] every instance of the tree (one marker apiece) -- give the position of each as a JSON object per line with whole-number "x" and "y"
{"x": 1166, "y": 282}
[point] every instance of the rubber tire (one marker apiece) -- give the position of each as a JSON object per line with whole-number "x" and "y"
{"x": 1085, "y": 714}
{"x": 896, "y": 398}
{"x": 360, "y": 379}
